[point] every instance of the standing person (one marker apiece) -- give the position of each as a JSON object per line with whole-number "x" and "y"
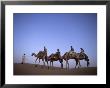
{"x": 23, "y": 58}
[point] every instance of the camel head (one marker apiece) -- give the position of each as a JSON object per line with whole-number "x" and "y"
{"x": 32, "y": 54}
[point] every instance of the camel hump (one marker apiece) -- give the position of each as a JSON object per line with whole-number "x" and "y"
{"x": 82, "y": 55}
{"x": 41, "y": 51}
{"x": 51, "y": 55}
{"x": 72, "y": 53}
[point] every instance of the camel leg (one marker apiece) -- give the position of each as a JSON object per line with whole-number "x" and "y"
{"x": 52, "y": 64}
{"x": 87, "y": 63}
{"x": 44, "y": 62}
{"x": 35, "y": 63}
{"x": 66, "y": 63}
{"x": 47, "y": 65}
{"x": 61, "y": 65}
{"x": 76, "y": 63}
{"x": 39, "y": 60}
{"x": 79, "y": 64}
{"x": 68, "y": 66}
{"x": 40, "y": 65}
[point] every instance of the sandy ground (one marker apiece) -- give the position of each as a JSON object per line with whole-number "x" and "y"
{"x": 30, "y": 69}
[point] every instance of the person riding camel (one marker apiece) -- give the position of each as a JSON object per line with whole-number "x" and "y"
{"x": 58, "y": 53}
{"x": 45, "y": 50}
{"x": 71, "y": 51}
{"x": 82, "y": 52}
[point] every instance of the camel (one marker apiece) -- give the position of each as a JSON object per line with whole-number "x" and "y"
{"x": 41, "y": 55}
{"x": 76, "y": 56}
{"x": 55, "y": 57}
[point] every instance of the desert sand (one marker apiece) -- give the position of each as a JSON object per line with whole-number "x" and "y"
{"x": 31, "y": 69}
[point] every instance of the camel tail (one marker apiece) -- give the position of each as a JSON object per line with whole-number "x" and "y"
{"x": 88, "y": 63}
{"x": 87, "y": 59}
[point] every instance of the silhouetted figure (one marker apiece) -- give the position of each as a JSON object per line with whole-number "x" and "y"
{"x": 72, "y": 49}
{"x": 41, "y": 55}
{"x": 45, "y": 49}
{"x": 77, "y": 57}
{"x": 58, "y": 53}
{"x": 23, "y": 58}
{"x": 82, "y": 52}
{"x": 56, "y": 57}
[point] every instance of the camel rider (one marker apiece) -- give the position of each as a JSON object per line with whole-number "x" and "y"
{"x": 72, "y": 48}
{"x": 58, "y": 53}
{"x": 82, "y": 52}
{"x": 71, "y": 51}
{"x": 45, "y": 50}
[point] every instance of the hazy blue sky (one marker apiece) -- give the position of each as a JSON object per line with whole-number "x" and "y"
{"x": 55, "y": 31}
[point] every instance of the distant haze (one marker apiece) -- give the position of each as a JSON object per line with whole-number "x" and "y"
{"x": 33, "y": 31}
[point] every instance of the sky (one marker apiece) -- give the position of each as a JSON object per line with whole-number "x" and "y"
{"x": 33, "y": 31}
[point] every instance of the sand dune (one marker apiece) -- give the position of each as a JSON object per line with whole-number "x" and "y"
{"x": 30, "y": 69}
